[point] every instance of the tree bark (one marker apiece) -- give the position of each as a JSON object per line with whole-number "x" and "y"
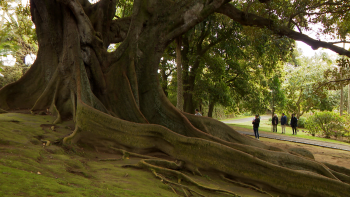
{"x": 180, "y": 97}
{"x": 116, "y": 100}
{"x": 211, "y": 109}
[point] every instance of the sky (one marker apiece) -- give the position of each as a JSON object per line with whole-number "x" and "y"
{"x": 314, "y": 33}
{"x": 308, "y": 51}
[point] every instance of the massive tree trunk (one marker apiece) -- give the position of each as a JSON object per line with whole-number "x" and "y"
{"x": 116, "y": 99}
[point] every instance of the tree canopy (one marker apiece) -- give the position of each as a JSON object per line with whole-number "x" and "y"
{"x": 117, "y": 102}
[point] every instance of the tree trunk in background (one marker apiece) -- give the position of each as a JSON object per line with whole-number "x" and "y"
{"x": 116, "y": 100}
{"x": 341, "y": 107}
{"x": 211, "y": 109}
{"x": 189, "y": 102}
{"x": 348, "y": 98}
{"x": 179, "y": 103}
{"x": 164, "y": 77}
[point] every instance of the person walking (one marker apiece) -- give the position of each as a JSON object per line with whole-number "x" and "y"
{"x": 283, "y": 123}
{"x": 197, "y": 112}
{"x": 274, "y": 123}
{"x": 256, "y": 122}
{"x": 294, "y": 124}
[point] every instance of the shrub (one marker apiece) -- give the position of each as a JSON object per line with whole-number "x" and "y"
{"x": 326, "y": 123}
{"x": 301, "y": 122}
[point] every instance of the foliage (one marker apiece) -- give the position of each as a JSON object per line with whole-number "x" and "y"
{"x": 338, "y": 76}
{"x": 17, "y": 32}
{"x": 301, "y": 85}
{"x": 222, "y": 53}
{"x": 326, "y": 124}
{"x": 124, "y": 8}
{"x": 17, "y": 38}
{"x": 11, "y": 74}
{"x": 301, "y": 122}
{"x": 254, "y": 70}
{"x": 277, "y": 94}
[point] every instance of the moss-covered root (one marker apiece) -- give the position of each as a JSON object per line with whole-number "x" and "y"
{"x": 170, "y": 183}
{"x": 168, "y": 168}
{"x": 341, "y": 173}
{"x": 338, "y": 169}
{"x": 245, "y": 185}
{"x": 126, "y": 154}
{"x": 2, "y": 111}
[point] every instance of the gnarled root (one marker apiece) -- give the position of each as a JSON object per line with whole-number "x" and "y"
{"x": 170, "y": 169}
{"x": 246, "y": 185}
{"x": 273, "y": 171}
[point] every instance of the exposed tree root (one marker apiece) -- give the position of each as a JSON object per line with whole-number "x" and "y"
{"x": 111, "y": 159}
{"x": 281, "y": 173}
{"x": 245, "y": 185}
{"x": 126, "y": 154}
{"x": 158, "y": 171}
{"x": 183, "y": 187}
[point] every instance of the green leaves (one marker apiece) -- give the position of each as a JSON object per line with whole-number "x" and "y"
{"x": 326, "y": 124}
{"x": 17, "y": 35}
{"x": 301, "y": 86}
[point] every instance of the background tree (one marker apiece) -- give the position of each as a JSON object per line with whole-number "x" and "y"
{"x": 196, "y": 44}
{"x": 251, "y": 67}
{"x": 17, "y": 38}
{"x": 338, "y": 77}
{"x": 301, "y": 85}
{"x": 277, "y": 94}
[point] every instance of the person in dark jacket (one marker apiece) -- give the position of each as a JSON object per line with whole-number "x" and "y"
{"x": 294, "y": 124}
{"x": 283, "y": 123}
{"x": 256, "y": 122}
{"x": 274, "y": 123}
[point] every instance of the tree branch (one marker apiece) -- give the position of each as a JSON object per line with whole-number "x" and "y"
{"x": 192, "y": 17}
{"x": 335, "y": 81}
{"x": 84, "y": 24}
{"x": 247, "y": 19}
{"x": 118, "y": 30}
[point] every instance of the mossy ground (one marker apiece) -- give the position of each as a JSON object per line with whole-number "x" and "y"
{"x": 29, "y": 168}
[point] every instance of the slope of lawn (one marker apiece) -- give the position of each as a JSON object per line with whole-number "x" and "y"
{"x": 30, "y": 168}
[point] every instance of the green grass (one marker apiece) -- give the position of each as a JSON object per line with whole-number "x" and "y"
{"x": 27, "y": 168}
{"x": 266, "y": 126}
{"x": 236, "y": 118}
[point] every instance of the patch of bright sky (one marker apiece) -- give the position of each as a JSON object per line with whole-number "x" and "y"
{"x": 315, "y": 34}
{"x": 9, "y": 60}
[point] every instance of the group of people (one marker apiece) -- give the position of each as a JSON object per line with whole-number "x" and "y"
{"x": 256, "y": 123}
{"x": 293, "y": 124}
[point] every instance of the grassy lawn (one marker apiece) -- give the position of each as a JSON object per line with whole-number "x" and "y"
{"x": 236, "y": 118}
{"x": 266, "y": 126}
